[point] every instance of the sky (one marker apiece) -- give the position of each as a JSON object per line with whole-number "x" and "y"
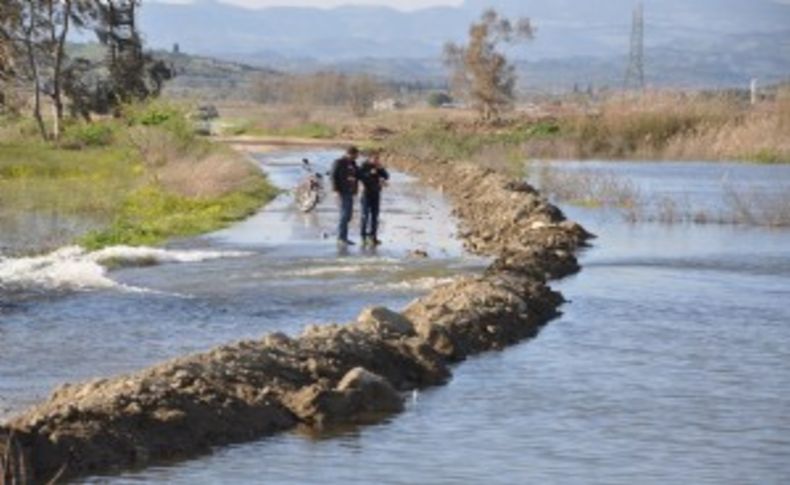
{"x": 399, "y": 4}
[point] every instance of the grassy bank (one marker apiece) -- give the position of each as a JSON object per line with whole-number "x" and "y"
{"x": 281, "y": 121}
{"x": 138, "y": 180}
{"x": 653, "y": 127}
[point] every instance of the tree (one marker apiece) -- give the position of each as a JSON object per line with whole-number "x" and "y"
{"x": 33, "y": 36}
{"x": 61, "y": 15}
{"x": 134, "y": 74}
{"x": 480, "y": 71}
{"x": 8, "y": 16}
{"x": 26, "y": 34}
{"x": 9, "y": 12}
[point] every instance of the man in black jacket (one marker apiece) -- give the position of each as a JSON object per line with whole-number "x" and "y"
{"x": 345, "y": 181}
{"x": 374, "y": 177}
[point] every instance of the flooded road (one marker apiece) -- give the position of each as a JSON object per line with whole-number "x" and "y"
{"x": 66, "y": 317}
{"x": 670, "y": 364}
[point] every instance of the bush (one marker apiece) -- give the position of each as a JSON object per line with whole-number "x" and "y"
{"x": 88, "y": 135}
{"x": 439, "y": 99}
{"x": 161, "y": 115}
{"x": 151, "y": 114}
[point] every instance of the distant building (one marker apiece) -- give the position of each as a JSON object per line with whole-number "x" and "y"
{"x": 176, "y": 48}
{"x": 390, "y": 104}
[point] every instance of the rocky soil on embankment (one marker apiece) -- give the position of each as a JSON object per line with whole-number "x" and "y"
{"x": 354, "y": 372}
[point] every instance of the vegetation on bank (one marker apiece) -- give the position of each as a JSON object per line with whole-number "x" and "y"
{"x": 151, "y": 214}
{"x": 656, "y": 127}
{"x": 140, "y": 179}
{"x": 281, "y": 128}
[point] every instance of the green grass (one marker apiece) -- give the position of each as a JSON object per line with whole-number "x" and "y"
{"x": 768, "y": 156}
{"x": 35, "y": 176}
{"x": 151, "y": 215}
{"x": 443, "y": 141}
{"x": 104, "y": 177}
{"x": 313, "y": 130}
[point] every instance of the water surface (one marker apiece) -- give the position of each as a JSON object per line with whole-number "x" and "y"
{"x": 670, "y": 364}
{"x": 66, "y": 317}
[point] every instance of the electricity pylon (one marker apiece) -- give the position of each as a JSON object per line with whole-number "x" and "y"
{"x": 635, "y": 74}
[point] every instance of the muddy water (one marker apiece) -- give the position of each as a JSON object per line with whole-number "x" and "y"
{"x": 672, "y": 363}
{"x": 70, "y": 315}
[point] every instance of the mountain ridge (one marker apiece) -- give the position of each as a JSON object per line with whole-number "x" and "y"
{"x": 566, "y": 30}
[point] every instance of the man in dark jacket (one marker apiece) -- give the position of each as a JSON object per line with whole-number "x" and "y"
{"x": 374, "y": 177}
{"x": 345, "y": 181}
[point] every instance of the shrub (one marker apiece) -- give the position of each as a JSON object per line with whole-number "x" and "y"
{"x": 439, "y": 99}
{"x": 161, "y": 115}
{"x": 88, "y": 135}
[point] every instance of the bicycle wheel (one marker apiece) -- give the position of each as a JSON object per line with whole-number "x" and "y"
{"x": 306, "y": 198}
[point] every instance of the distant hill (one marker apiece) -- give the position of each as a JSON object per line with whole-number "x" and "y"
{"x": 195, "y": 75}
{"x": 690, "y": 42}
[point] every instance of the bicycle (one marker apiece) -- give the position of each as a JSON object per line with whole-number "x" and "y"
{"x": 310, "y": 191}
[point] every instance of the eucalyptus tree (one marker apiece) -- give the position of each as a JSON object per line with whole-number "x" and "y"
{"x": 480, "y": 71}
{"x": 60, "y": 17}
{"x": 33, "y": 37}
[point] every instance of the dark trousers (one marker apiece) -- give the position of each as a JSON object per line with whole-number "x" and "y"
{"x": 346, "y": 214}
{"x": 371, "y": 204}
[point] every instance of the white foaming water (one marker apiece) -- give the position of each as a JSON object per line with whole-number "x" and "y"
{"x": 337, "y": 270}
{"x": 320, "y": 268}
{"x": 74, "y": 268}
{"x": 418, "y": 284}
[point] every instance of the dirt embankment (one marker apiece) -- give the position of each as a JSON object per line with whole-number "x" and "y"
{"x": 337, "y": 373}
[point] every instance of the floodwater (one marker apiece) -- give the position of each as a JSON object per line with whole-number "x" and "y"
{"x": 69, "y": 315}
{"x": 671, "y": 363}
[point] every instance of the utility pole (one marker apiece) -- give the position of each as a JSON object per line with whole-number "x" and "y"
{"x": 635, "y": 74}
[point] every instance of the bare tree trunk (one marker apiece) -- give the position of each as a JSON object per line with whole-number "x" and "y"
{"x": 37, "y": 97}
{"x": 59, "y": 47}
{"x": 31, "y": 59}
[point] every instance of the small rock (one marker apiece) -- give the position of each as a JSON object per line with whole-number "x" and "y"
{"x": 383, "y": 320}
{"x": 133, "y": 409}
{"x": 168, "y": 415}
{"x": 539, "y": 225}
{"x": 277, "y": 339}
{"x": 370, "y": 392}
